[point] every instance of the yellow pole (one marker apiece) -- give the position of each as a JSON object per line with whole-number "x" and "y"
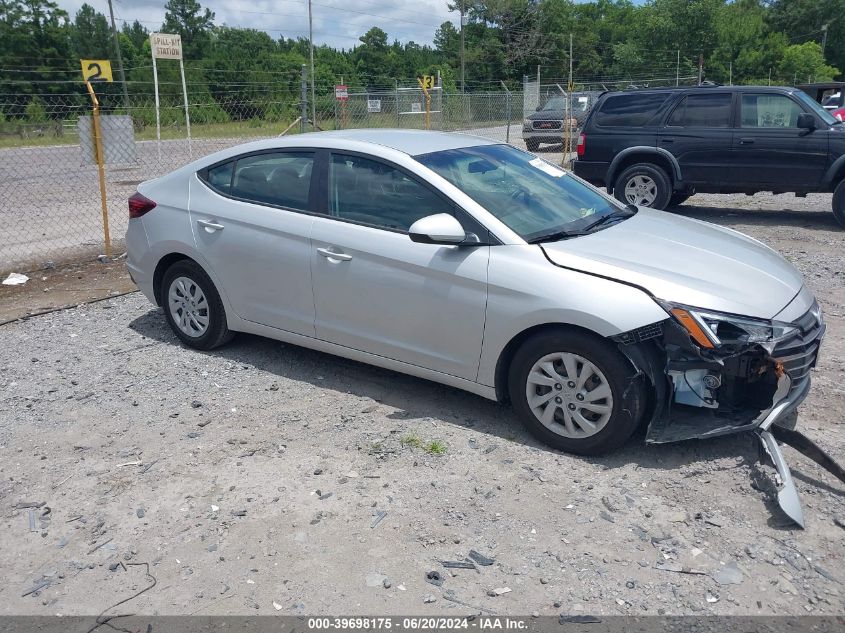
{"x": 101, "y": 172}
{"x": 421, "y": 82}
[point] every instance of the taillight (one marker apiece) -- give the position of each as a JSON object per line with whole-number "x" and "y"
{"x": 582, "y": 144}
{"x": 139, "y": 205}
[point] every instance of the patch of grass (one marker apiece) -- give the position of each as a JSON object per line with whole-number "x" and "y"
{"x": 413, "y": 441}
{"x": 435, "y": 447}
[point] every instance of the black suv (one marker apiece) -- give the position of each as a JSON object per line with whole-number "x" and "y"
{"x": 657, "y": 147}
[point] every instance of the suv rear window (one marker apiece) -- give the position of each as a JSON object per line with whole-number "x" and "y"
{"x": 630, "y": 110}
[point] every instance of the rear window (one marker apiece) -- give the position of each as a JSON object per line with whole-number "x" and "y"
{"x": 630, "y": 110}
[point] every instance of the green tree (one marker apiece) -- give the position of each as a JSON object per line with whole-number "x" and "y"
{"x": 805, "y": 62}
{"x": 188, "y": 19}
{"x": 91, "y": 34}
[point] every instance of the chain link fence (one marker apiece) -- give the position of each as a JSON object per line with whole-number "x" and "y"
{"x": 50, "y": 205}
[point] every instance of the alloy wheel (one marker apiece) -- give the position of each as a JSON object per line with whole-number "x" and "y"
{"x": 641, "y": 190}
{"x": 569, "y": 395}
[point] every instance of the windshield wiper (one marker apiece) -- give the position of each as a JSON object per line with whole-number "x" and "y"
{"x": 620, "y": 214}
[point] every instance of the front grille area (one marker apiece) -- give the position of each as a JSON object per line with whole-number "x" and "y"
{"x": 799, "y": 352}
{"x": 546, "y": 125}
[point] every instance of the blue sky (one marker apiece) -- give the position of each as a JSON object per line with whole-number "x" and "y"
{"x": 336, "y": 22}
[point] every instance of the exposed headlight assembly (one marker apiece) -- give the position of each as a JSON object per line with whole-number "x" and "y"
{"x": 712, "y": 329}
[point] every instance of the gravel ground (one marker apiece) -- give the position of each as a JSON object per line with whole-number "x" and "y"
{"x": 262, "y": 478}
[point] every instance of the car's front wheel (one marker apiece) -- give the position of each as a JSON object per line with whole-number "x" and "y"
{"x": 644, "y": 185}
{"x": 575, "y": 392}
{"x": 192, "y": 306}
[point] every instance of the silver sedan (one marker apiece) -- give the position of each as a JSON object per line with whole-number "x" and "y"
{"x": 483, "y": 267}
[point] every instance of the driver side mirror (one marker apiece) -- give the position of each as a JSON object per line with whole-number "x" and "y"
{"x": 441, "y": 228}
{"x": 806, "y": 121}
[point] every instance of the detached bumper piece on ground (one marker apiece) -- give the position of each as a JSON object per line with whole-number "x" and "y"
{"x": 734, "y": 387}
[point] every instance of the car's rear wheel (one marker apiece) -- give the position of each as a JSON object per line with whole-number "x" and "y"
{"x": 644, "y": 185}
{"x": 575, "y": 392}
{"x": 532, "y": 145}
{"x": 192, "y": 306}
{"x": 839, "y": 203}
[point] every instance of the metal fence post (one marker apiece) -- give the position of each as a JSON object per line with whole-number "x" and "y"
{"x": 396, "y": 90}
{"x": 508, "y": 109}
{"x": 303, "y": 96}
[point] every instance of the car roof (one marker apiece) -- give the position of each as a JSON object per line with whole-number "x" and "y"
{"x": 412, "y": 142}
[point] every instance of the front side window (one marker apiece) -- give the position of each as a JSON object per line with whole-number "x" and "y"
{"x": 703, "y": 110}
{"x": 277, "y": 178}
{"x": 769, "y": 111}
{"x": 370, "y": 192}
{"x": 630, "y": 109}
{"x": 530, "y": 196}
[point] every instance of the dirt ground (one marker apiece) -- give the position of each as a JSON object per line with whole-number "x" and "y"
{"x": 262, "y": 478}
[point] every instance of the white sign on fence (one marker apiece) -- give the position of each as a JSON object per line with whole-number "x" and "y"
{"x": 118, "y": 139}
{"x": 416, "y": 107}
{"x": 166, "y": 46}
{"x": 373, "y": 105}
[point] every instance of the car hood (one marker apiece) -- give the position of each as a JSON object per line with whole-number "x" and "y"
{"x": 685, "y": 261}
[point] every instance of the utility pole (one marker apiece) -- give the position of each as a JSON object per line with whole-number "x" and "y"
{"x": 462, "y": 47}
{"x": 731, "y": 73}
{"x": 824, "y": 37}
{"x": 700, "y": 68}
{"x": 303, "y": 98}
{"x": 119, "y": 59}
{"x": 313, "y": 77}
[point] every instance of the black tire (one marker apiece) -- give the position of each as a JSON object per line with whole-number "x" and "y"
{"x": 661, "y": 180}
{"x": 217, "y": 333}
{"x": 532, "y": 145}
{"x": 839, "y": 203}
{"x": 678, "y": 198}
{"x": 629, "y": 395}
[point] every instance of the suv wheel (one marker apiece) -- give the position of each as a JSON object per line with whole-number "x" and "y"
{"x": 644, "y": 185}
{"x": 575, "y": 392}
{"x": 532, "y": 145}
{"x": 839, "y": 203}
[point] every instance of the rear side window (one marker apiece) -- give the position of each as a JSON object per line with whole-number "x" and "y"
{"x": 769, "y": 110}
{"x": 703, "y": 110}
{"x": 278, "y": 178}
{"x": 220, "y": 177}
{"x": 630, "y": 109}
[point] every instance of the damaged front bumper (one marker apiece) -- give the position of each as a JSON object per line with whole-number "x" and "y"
{"x": 701, "y": 393}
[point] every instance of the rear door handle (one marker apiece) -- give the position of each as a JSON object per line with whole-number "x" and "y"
{"x": 746, "y": 141}
{"x": 667, "y": 140}
{"x": 332, "y": 255}
{"x": 211, "y": 227}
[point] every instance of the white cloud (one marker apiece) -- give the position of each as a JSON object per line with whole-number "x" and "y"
{"x": 338, "y": 23}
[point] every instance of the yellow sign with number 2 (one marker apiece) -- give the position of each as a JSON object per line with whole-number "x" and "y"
{"x": 96, "y": 70}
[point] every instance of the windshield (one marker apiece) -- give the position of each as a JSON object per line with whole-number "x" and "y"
{"x": 558, "y": 103}
{"x": 823, "y": 114}
{"x": 530, "y": 196}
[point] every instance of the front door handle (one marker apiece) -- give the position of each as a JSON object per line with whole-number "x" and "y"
{"x": 332, "y": 255}
{"x": 211, "y": 227}
{"x": 746, "y": 141}
{"x": 667, "y": 140}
